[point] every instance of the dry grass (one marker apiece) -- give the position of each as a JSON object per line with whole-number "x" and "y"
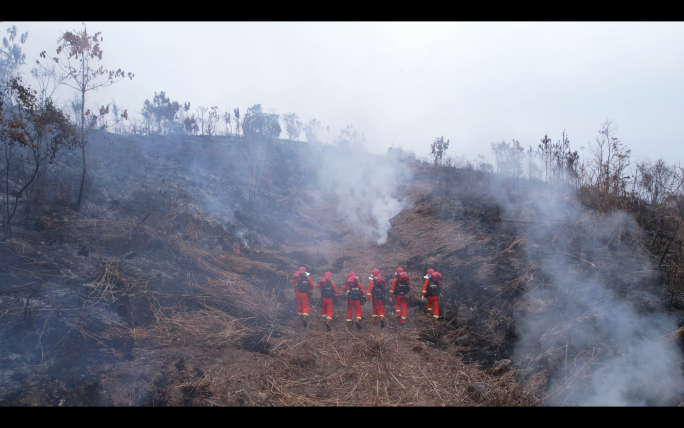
{"x": 110, "y": 278}
{"x": 373, "y": 367}
{"x": 388, "y": 368}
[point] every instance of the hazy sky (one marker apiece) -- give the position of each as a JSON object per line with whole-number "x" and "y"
{"x": 407, "y": 83}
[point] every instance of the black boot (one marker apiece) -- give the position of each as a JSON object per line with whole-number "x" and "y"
{"x": 382, "y": 323}
{"x": 304, "y": 321}
{"x": 327, "y": 325}
{"x": 358, "y": 325}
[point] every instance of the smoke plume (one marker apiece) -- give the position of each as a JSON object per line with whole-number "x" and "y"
{"x": 600, "y": 304}
{"x": 366, "y": 187}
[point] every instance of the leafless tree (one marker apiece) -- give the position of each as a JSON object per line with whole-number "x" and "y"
{"x": 236, "y": 117}
{"x": 312, "y": 131}
{"x": 544, "y": 151}
{"x": 77, "y": 51}
{"x": 293, "y": 126}
{"x": 201, "y": 117}
{"x": 509, "y": 158}
{"x": 228, "y": 123}
{"x": 31, "y": 133}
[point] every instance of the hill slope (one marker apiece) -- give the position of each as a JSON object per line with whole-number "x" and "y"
{"x": 171, "y": 286}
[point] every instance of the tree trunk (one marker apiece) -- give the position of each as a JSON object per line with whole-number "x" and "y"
{"x": 80, "y": 192}
{"x": 83, "y": 140}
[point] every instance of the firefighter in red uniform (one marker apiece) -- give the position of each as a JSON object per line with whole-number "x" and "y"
{"x": 355, "y": 293}
{"x": 399, "y": 293}
{"x": 427, "y": 275}
{"x": 328, "y": 294}
{"x": 431, "y": 289}
{"x": 303, "y": 286}
{"x": 376, "y": 291}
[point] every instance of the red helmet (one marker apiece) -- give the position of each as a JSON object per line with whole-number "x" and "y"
{"x": 430, "y": 271}
{"x": 375, "y": 272}
{"x": 351, "y": 277}
{"x": 399, "y": 270}
{"x": 302, "y": 269}
{"x": 437, "y": 277}
{"x": 328, "y": 274}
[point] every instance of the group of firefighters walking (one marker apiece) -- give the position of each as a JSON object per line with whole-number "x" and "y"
{"x": 376, "y": 292}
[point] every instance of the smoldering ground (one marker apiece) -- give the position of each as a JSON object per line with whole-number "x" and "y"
{"x": 161, "y": 274}
{"x": 579, "y": 316}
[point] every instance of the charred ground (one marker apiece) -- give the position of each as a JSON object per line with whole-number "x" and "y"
{"x": 170, "y": 287}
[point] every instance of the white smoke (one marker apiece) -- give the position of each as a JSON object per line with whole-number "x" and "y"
{"x": 366, "y": 187}
{"x": 593, "y": 309}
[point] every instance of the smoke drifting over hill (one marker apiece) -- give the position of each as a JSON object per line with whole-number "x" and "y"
{"x": 593, "y": 270}
{"x": 366, "y": 187}
{"x": 153, "y": 265}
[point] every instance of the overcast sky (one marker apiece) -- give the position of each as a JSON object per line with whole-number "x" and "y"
{"x": 404, "y": 84}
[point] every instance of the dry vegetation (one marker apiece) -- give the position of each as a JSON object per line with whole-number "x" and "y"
{"x": 172, "y": 308}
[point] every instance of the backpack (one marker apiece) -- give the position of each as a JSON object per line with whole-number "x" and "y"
{"x": 402, "y": 285}
{"x": 302, "y": 284}
{"x": 378, "y": 290}
{"x": 435, "y": 285}
{"x": 355, "y": 290}
{"x": 327, "y": 290}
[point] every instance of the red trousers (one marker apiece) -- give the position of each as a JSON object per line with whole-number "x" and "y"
{"x": 400, "y": 305}
{"x": 302, "y": 303}
{"x": 378, "y": 308}
{"x": 356, "y": 306}
{"x": 433, "y": 305}
{"x": 327, "y": 310}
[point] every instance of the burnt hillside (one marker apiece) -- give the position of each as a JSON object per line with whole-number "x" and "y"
{"x": 170, "y": 287}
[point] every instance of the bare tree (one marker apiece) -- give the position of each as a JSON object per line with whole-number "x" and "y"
{"x": 293, "y": 126}
{"x": 31, "y": 133}
{"x": 227, "y": 123}
{"x": 544, "y": 151}
{"x": 79, "y": 50}
{"x": 312, "y": 131}
{"x": 610, "y": 161}
{"x": 201, "y": 117}
{"x": 658, "y": 182}
{"x": 259, "y": 129}
{"x": 438, "y": 148}
{"x": 47, "y": 79}
{"x": 121, "y": 115}
{"x": 236, "y": 117}
{"x": 533, "y": 171}
{"x": 508, "y": 158}
{"x": 214, "y": 120}
{"x": 349, "y": 137}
